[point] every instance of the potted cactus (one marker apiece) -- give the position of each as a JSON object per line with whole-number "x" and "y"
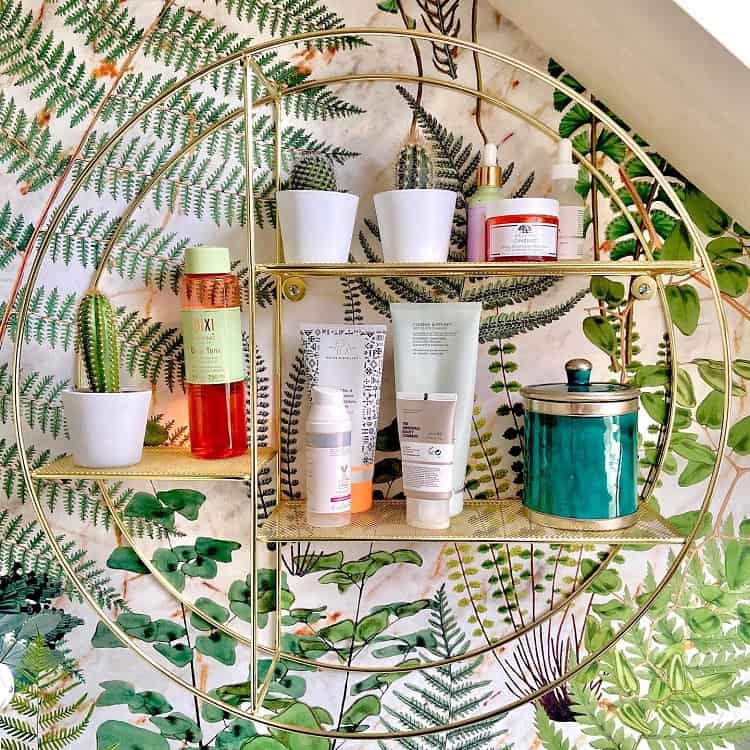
{"x": 317, "y": 220}
{"x": 106, "y": 425}
{"x": 415, "y": 220}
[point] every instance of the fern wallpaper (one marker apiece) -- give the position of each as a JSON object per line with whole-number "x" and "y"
{"x": 72, "y": 72}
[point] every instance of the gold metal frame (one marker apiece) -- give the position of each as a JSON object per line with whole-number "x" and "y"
{"x": 274, "y": 98}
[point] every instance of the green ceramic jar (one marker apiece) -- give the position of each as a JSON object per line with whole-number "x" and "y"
{"x": 581, "y": 452}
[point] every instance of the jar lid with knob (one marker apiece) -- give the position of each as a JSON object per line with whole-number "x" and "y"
{"x": 580, "y": 397}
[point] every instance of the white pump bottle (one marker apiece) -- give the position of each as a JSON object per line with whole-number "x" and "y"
{"x": 572, "y": 206}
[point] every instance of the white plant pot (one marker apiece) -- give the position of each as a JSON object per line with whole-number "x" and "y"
{"x": 316, "y": 225}
{"x": 106, "y": 429}
{"x": 415, "y": 225}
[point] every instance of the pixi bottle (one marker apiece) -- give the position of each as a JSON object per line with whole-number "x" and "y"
{"x": 328, "y": 465}
{"x": 572, "y": 206}
{"x": 488, "y": 191}
{"x": 214, "y": 363}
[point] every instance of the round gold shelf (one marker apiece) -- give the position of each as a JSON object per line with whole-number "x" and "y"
{"x": 648, "y": 283}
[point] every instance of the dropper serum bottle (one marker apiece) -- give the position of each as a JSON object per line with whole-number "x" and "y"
{"x": 214, "y": 363}
{"x": 488, "y": 191}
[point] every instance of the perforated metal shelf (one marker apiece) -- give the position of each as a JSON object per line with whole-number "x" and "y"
{"x": 160, "y": 463}
{"x": 480, "y": 521}
{"x": 515, "y": 268}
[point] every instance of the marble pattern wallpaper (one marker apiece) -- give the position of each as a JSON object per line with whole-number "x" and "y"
{"x": 72, "y": 72}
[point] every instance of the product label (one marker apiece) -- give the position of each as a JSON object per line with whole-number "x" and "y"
{"x": 212, "y": 338}
{"x": 427, "y": 434}
{"x": 427, "y": 452}
{"x": 432, "y": 338}
{"x": 530, "y": 239}
{"x": 571, "y": 233}
{"x": 328, "y": 472}
{"x": 428, "y": 480}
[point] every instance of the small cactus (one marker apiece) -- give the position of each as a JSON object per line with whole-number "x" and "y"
{"x": 97, "y": 342}
{"x": 313, "y": 172}
{"x": 413, "y": 167}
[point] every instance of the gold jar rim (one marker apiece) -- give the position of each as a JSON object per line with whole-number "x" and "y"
{"x": 558, "y": 393}
{"x": 581, "y": 408}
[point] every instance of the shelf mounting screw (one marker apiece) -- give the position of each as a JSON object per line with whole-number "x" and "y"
{"x": 643, "y": 287}
{"x": 293, "y": 288}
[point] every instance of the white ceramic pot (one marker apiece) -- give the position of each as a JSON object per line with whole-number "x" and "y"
{"x": 316, "y": 225}
{"x": 106, "y": 429}
{"x": 415, "y": 225}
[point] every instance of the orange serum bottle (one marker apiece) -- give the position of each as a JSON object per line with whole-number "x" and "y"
{"x": 214, "y": 362}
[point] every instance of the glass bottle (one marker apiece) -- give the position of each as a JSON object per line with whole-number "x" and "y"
{"x": 214, "y": 358}
{"x": 489, "y": 176}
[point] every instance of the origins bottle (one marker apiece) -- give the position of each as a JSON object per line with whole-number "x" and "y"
{"x": 572, "y": 206}
{"x": 488, "y": 190}
{"x": 214, "y": 366}
{"x": 328, "y": 468}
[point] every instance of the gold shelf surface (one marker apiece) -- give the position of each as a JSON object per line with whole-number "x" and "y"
{"x": 160, "y": 463}
{"x": 515, "y": 268}
{"x": 480, "y": 521}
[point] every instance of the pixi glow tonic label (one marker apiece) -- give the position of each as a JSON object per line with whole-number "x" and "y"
{"x": 213, "y": 345}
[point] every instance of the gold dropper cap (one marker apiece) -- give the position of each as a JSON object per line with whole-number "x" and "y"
{"x": 488, "y": 176}
{"x": 489, "y": 173}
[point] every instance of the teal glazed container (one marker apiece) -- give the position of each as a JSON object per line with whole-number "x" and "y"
{"x": 581, "y": 452}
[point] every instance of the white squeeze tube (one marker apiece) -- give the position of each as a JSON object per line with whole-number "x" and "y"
{"x": 435, "y": 350}
{"x": 427, "y": 432}
{"x": 350, "y": 358}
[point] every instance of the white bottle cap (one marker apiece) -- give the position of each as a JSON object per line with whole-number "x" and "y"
{"x": 327, "y": 396}
{"x": 524, "y": 206}
{"x": 428, "y": 514}
{"x": 564, "y": 168}
{"x": 489, "y": 155}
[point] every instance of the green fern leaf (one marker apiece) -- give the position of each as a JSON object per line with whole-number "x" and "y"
{"x": 41, "y": 404}
{"x": 551, "y": 737}
{"x": 451, "y": 692}
{"x": 454, "y": 162}
{"x": 17, "y": 728}
{"x": 509, "y": 291}
{"x": 507, "y": 325}
{"x": 42, "y": 687}
{"x": 108, "y": 26}
{"x": 185, "y": 40}
{"x": 706, "y": 737}
{"x": 291, "y": 408}
{"x": 596, "y": 723}
{"x": 15, "y": 232}
{"x": 145, "y": 252}
{"x": 281, "y": 18}
{"x": 6, "y": 743}
{"x": 26, "y": 148}
{"x": 23, "y": 543}
{"x": 441, "y": 17}
{"x": 61, "y": 737}
{"x": 31, "y": 57}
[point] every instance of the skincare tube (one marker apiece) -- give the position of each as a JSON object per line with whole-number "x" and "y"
{"x": 350, "y": 358}
{"x": 435, "y": 348}
{"x": 426, "y": 429}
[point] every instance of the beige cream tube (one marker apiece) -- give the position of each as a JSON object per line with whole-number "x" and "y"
{"x": 427, "y": 432}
